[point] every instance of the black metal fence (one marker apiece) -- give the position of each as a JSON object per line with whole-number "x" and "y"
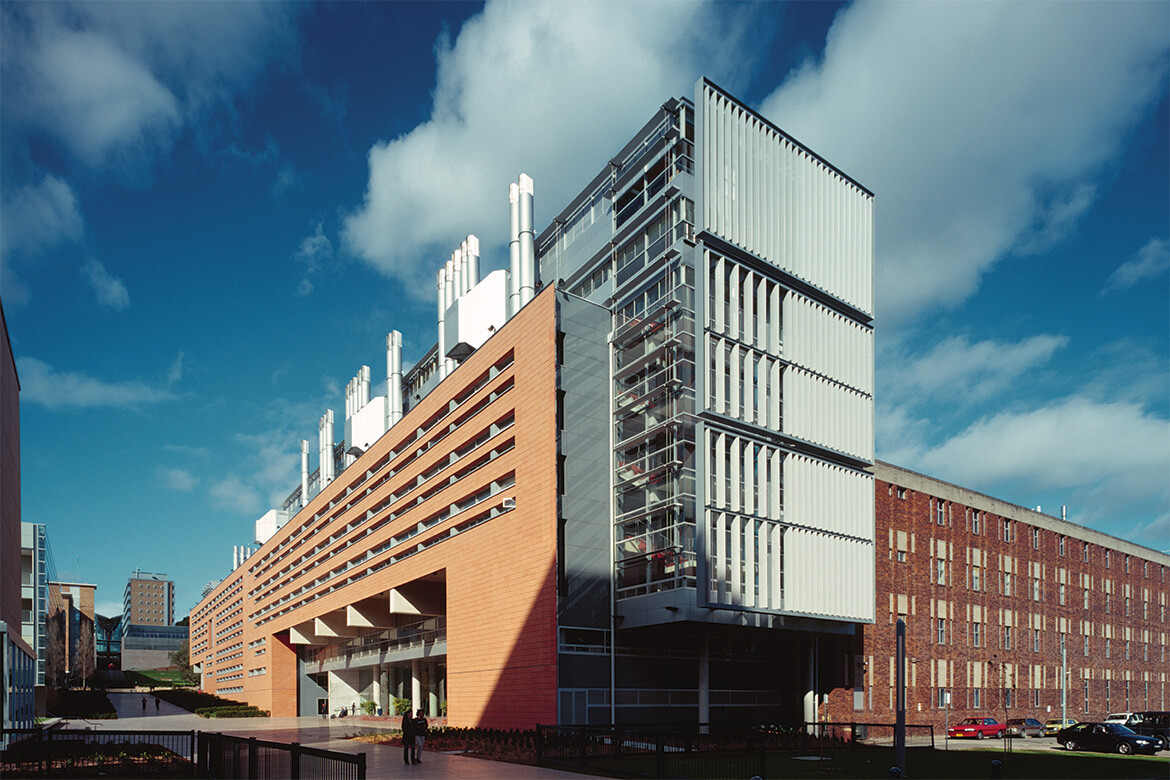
{"x": 227, "y": 756}
{"x": 643, "y": 752}
{"x": 69, "y": 753}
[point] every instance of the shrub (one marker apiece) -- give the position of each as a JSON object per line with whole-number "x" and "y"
{"x": 368, "y": 707}
{"x": 193, "y": 701}
{"x": 401, "y": 706}
{"x": 239, "y": 711}
{"x": 80, "y": 704}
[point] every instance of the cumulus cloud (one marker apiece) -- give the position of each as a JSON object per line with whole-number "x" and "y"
{"x": 964, "y": 371}
{"x": 175, "y": 372}
{"x": 57, "y": 390}
{"x": 1150, "y": 262}
{"x": 314, "y": 251}
{"x": 530, "y": 87}
{"x": 38, "y": 217}
{"x": 115, "y": 83}
{"x": 179, "y": 480}
{"x": 233, "y": 495}
{"x": 980, "y": 127}
{"x": 110, "y": 290}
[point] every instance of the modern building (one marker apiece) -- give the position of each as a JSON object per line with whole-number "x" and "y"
{"x": 149, "y": 600}
{"x": 18, "y": 660}
{"x": 631, "y": 480}
{"x": 1009, "y": 612}
{"x": 109, "y": 642}
{"x": 36, "y": 570}
{"x": 71, "y": 650}
{"x": 150, "y": 646}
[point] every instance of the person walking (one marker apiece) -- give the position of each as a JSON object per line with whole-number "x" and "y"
{"x": 409, "y": 748}
{"x": 156, "y": 705}
{"x": 420, "y": 735}
{"x": 143, "y": 705}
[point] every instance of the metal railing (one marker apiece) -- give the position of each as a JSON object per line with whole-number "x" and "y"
{"x": 69, "y": 753}
{"x": 227, "y": 756}
{"x": 646, "y": 752}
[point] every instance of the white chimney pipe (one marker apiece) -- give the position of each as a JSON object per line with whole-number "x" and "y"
{"x": 472, "y": 261}
{"x": 442, "y": 285}
{"x": 235, "y": 557}
{"x": 325, "y": 449}
{"x": 527, "y": 242}
{"x": 304, "y": 472}
{"x": 514, "y": 249}
{"x": 457, "y": 275}
{"x": 393, "y": 378}
{"x": 364, "y": 388}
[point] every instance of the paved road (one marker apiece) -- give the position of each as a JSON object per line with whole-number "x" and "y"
{"x": 381, "y": 760}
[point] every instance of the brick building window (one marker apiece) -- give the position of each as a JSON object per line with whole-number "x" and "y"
{"x": 1085, "y": 549}
{"x": 1086, "y": 708}
{"x": 940, "y": 512}
{"x": 976, "y": 702}
{"x": 1108, "y": 652}
{"x": 1007, "y": 637}
{"x": 1106, "y": 559}
{"x": 1127, "y": 606}
{"x": 1036, "y": 697}
{"x": 1086, "y": 645}
{"x": 1107, "y": 686}
{"x": 976, "y": 583}
{"x": 1127, "y": 649}
{"x": 975, "y": 522}
{"x": 901, "y": 493}
{"x": 1007, "y": 530}
{"x": 1035, "y": 538}
{"x": 1108, "y": 601}
{"x": 1086, "y": 598}
{"x": 1007, "y": 697}
{"x": 1035, "y": 640}
{"x": 1035, "y": 589}
{"x": 1062, "y": 589}
{"x": 1060, "y": 546}
{"x": 976, "y": 637}
{"x": 942, "y": 631}
{"x": 1127, "y": 572}
{"x": 1006, "y": 585}
{"x": 940, "y": 571}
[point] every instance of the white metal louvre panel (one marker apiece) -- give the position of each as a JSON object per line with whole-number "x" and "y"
{"x": 766, "y": 194}
{"x": 828, "y": 575}
{"x": 824, "y": 412}
{"x": 828, "y": 343}
{"x": 826, "y": 497}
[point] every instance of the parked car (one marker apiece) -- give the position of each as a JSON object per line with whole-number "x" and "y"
{"x": 1119, "y": 717}
{"x": 1152, "y": 723}
{"x": 977, "y": 728}
{"x": 1025, "y": 727}
{"x": 1110, "y": 737}
{"x": 1051, "y": 727}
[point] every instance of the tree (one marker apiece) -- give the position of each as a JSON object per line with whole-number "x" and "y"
{"x": 181, "y": 658}
{"x": 86, "y": 652}
{"x": 56, "y": 654}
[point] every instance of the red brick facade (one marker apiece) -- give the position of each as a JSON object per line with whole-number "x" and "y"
{"x": 988, "y": 590}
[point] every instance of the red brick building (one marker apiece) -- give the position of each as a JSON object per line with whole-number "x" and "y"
{"x": 989, "y": 592}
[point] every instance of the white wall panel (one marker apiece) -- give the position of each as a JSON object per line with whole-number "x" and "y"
{"x": 787, "y": 207}
{"x": 828, "y": 343}
{"x": 848, "y": 591}
{"x": 827, "y": 497}
{"x": 825, "y": 413}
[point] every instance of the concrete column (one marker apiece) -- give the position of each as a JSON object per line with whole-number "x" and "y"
{"x": 384, "y": 689}
{"x": 442, "y": 684}
{"x": 704, "y": 684}
{"x": 810, "y": 688}
{"x": 415, "y": 685}
{"x": 432, "y": 691}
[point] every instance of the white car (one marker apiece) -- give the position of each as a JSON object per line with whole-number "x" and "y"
{"x": 1119, "y": 717}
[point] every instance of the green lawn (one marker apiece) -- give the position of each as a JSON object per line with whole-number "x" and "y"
{"x": 162, "y": 678}
{"x": 921, "y": 764}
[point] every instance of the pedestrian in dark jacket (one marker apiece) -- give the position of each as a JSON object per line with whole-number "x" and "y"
{"x": 420, "y": 735}
{"x": 409, "y": 748}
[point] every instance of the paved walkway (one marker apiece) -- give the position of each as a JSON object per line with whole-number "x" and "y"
{"x": 381, "y": 760}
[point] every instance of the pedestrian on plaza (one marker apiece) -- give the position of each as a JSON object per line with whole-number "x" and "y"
{"x": 409, "y": 746}
{"x": 143, "y": 705}
{"x": 420, "y": 735}
{"x": 156, "y": 705}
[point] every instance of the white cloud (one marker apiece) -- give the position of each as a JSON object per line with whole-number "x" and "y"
{"x": 550, "y": 89}
{"x": 314, "y": 251}
{"x": 980, "y": 127}
{"x": 963, "y": 371}
{"x": 179, "y": 480}
{"x": 1111, "y": 454}
{"x": 175, "y": 372}
{"x": 1150, "y": 262}
{"x": 110, "y": 290}
{"x": 41, "y": 384}
{"x": 115, "y": 83}
{"x": 38, "y": 217}
{"x": 233, "y": 495}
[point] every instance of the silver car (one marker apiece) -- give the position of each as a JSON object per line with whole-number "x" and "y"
{"x": 1025, "y": 727}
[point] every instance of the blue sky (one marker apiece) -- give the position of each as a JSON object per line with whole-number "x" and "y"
{"x": 212, "y": 213}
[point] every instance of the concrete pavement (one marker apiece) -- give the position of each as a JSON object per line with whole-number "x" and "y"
{"x": 382, "y": 761}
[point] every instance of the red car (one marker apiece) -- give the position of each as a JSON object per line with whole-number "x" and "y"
{"x": 977, "y": 727}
